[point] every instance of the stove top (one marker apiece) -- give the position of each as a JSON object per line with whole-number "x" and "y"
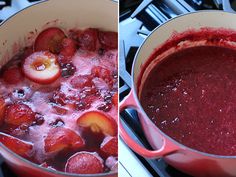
{"x": 137, "y": 20}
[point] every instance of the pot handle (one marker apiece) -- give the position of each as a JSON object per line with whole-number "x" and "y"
{"x": 129, "y": 102}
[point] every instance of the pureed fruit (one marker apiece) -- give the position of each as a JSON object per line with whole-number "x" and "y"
{"x": 58, "y": 101}
{"x": 190, "y": 94}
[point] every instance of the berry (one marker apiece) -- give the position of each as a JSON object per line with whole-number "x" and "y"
{"x": 59, "y": 97}
{"x": 68, "y": 70}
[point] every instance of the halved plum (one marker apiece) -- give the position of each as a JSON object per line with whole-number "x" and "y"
{"x": 50, "y": 39}
{"x": 18, "y": 114}
{"x": 13, "y": 75}
{"x": 108, "y": 39}
{"x": 98, "y": 122}
{"x": 61, "y": 138}
{"x": 110, "y": 146}
{"x": 20, "y": 147}
{"x": 84, "y": 163}
{"x": 41, "y": 67}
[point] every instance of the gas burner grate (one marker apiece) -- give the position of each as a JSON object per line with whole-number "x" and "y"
{"x": 5, "y": 171}
{"x": 4, "y": 4}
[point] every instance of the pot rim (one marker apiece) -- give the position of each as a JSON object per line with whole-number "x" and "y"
{"x": 182, "y": 146}
{"x": 56, "y": 172}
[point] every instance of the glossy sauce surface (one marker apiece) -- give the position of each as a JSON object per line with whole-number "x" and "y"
{"x": 191, "y": 97}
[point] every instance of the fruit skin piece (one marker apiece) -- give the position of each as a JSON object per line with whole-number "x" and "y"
{"x": 58, "y": 109}
{"x": 61, "y": 138}
{"x": 115, "y": 99}
{"x": 87, "y": 39}
{"x": 42, "y": 67}
{"x": 110, "y": 146}
{"x": 49, "y": 39}
{"x": 20, "y": 147}
{"x": 2, "y": 110}
{"x": 103, "y": 73}
{"x": 18, "y": 114}
{"x": 112, "y": 163}
{"x": 81, "y": 81}
{"x": 67, "y": 51}
{"x": 108, "y": 39}
{"x": 84, "y": 163}
{"x": 13, "y": 75}
{"x": 98, "y": 122}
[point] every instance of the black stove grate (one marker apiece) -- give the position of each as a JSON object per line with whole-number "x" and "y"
{"x": 140, "y": 18}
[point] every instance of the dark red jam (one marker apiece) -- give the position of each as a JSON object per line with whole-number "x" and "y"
{"x": 190, "y": 96}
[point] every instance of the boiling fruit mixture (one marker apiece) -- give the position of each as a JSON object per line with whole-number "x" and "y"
{"x": 190, "y": 96}
{"x": 58, "y": 104}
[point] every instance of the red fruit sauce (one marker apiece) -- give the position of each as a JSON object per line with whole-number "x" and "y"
{"x": 190, "y": 94}
{"x": 50, "y": 111}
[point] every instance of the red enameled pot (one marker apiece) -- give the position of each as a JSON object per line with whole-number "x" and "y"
{"x": 188, "y": 160}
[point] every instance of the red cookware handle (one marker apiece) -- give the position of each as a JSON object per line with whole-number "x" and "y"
{"x": 129, "y": 102}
